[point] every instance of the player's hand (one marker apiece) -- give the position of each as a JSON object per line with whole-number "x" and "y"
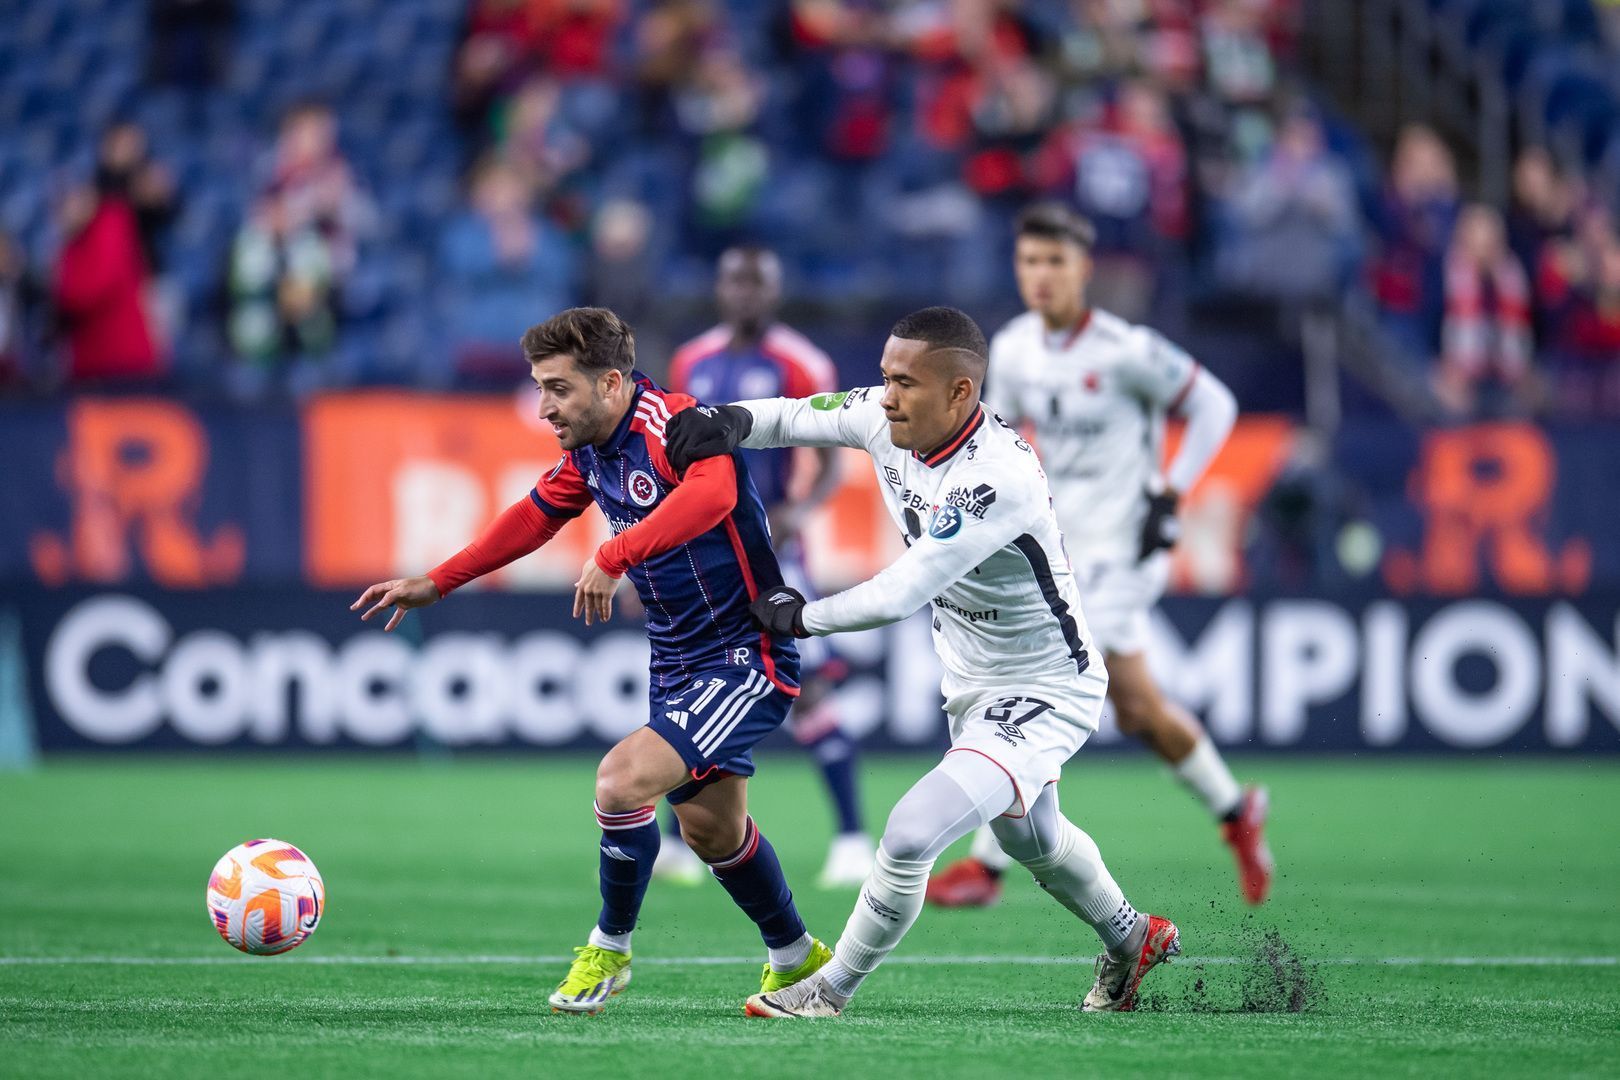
{"x": 401, "y": 594}
{"x": 1161, "y": 528}
{"x": 593, "y": 593}
{"x": 705, "y": 431}
{"x": 780, "y": 612}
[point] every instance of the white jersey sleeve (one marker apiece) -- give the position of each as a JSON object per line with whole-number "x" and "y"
{"x": 956, "y": 541}
{"x": 1158, "y": 371}
{"x": 851, "y": 418}
{"x": 1211, "y": 410}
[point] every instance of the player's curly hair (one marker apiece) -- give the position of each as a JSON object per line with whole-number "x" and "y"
{"x": 597, "y": 339}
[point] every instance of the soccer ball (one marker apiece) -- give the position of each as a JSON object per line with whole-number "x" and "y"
{"x": 265, "y": 897}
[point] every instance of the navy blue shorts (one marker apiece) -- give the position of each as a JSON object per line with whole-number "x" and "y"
{"x": 714, "y": 720}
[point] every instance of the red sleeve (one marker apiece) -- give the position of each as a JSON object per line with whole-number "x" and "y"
{"x": 562, "y": 493}
{"x": 520, "y": 529}
{"x": 699, "y": 502}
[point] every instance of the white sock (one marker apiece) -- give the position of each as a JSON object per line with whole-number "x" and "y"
{"x": 889, "y": 903}
{"x": 1205, "y": 772}
{"x": 619, "y": 943}
{"x": 988, "y": 851}
{"x": 957, "y": 796}
{"x": 791, "y": 956}
{"x": 1072, "y": 870}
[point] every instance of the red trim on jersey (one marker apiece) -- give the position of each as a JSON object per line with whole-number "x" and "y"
{"x": 974, "y": 423}
{"x": 1181, "y": 395}
{"x": 1079, "y": 328}
{"x": 697, "y": 504}
{"x": 520, "y": 529}
{"x": 1019, "y": 795}
{"x": 562, "y": 492}
{"x": 753, "y": 594}
{"x": 652, "y": 412}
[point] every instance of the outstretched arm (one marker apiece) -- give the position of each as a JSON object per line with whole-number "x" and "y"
{"x": 844, "y": 419}
{"x": 954, "y": 544}
{"x": 521, "y": 528}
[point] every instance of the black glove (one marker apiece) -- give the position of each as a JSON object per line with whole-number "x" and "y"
{"x": 705, "y": 431}
{"x": 779, "y": 611}
{"x": 1161, "y": 529}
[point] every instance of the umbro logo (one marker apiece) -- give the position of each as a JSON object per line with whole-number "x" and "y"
{"x": 879, "y": 908}
{"x": 892, "y": 475}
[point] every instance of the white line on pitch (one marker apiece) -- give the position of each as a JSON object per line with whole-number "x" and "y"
{"x": 727, "y": 961}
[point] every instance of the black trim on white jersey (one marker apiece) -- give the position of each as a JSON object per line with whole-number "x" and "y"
{"x": 1039, "y": 563}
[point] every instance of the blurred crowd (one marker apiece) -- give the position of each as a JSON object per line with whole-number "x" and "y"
{"x": 609, "y": 149}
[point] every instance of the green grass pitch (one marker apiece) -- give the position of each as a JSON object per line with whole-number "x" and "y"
{"x": 1447, "y": 918}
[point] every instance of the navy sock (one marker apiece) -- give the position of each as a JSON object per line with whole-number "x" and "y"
{"x": 835, "y": 753}
{"x": 629, "y": 847}
{"x": 753, "y": 877}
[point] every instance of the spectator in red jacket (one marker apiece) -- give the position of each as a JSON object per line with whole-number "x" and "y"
{"x": 100, "y": 289}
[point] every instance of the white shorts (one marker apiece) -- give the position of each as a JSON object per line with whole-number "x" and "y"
{"x": 1117, "y": 597}
{"x": 1028, "y": 729}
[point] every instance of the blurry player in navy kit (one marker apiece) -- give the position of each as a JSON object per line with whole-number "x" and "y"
{"x": 1096, "y": 391}
{"x": 694, "y": 543}
{"x": 751, "y": 355}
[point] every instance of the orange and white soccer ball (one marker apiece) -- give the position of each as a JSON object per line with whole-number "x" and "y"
{"x": 265, "y": 897}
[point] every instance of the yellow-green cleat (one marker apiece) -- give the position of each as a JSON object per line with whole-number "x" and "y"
{"x": 781, "y": 980}
{"x": 596, "y": 975}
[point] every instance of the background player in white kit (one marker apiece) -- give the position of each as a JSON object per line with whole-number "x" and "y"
{"x": 1096, "y": 391}
{"x": 1023, "y": 688}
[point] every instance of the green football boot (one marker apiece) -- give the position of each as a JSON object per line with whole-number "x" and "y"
{"x": 596, "y": 975}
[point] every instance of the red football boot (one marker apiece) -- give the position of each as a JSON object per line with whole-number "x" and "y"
{"x": 1246, "y": 836}
{"x": 1119, "y": 980}
{"x": 964, "y": 883}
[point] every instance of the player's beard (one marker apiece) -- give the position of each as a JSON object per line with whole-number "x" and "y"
{"x": 585, "y": 428}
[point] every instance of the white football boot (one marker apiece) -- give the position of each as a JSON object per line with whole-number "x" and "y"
{"x": 805, "y": 999}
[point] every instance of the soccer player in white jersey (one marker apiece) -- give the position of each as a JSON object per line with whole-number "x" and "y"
{"x": 1023, "y": 683}
{"x": 1096, "y": 391}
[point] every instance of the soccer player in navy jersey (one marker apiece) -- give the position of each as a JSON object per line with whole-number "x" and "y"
{"x": 752, "y": 355}
{"x": 696, "y": 547}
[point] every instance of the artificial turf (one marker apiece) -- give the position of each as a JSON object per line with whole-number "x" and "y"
{"x": 1433, "y": 917}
